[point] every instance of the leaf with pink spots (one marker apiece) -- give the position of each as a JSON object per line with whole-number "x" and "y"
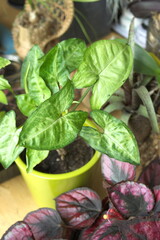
{"x": 79, "y": 207}
{"x": 45, "y": 223}
{"x": 115, "y": 171}
{"x": 20, "y": 230}
{"x": 150, "y": 175}
{"x": 107, "y": 231}
{"x": 132, "y": 199}
{"x": 156, "y": 191}
{"x": 88, "y": 232}
{"x": 148, "y": 229}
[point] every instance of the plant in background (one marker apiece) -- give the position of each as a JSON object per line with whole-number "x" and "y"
{"x": 149, "y": 9}
{"x": 134, "y": 97}
{"x": 130, "y": 211}
{"x": 48, "y": 102}
{"x": 138, "y": 100}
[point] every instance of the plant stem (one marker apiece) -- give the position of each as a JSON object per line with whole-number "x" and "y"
{"x": 83, "y": 29}
{"x": 131, "y": 43}
{"x": 82, "y": 97}
{"x": 147, "y": 101}
{"x": 88, "y": 23}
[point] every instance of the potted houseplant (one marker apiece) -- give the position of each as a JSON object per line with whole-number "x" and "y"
{"x": 130, "y": 211}
{"x": 53, "y": 121}
{"x": 151, "y": 10}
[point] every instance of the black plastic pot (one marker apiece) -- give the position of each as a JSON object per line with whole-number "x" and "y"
{"x": 17, "y": 3}
{"x": 95, "y": 18}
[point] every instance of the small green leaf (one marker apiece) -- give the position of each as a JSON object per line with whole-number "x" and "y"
{"x": 34, "y": 157}
{"x": 4, "y": 84}
{"x": 9, "y": 137}
{"x": 73, "y": 49}
{"x": 3, "y": 98}
{"x": 38, "y": 90}
{"x": 53, "y": 69}
{"x": 26, "y": 104}
{"x": 116, "y": 140}
{"x": 4, "y": 62}
{"x": 39, "y": 130}
{"x": 106, "y": 66}
{"x": 30, "y": 66}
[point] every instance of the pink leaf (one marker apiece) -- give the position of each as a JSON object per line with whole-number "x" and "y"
{"x": 19, "y": 230}
{"x": 156, "y": 191}
{"x": 115, "y": 171}
{"x": 131, "y": 199}
{"x": 88, "y": 232}
{"x": 79, "y": 207}
{"x": 45, "y": 223}
{"x": 148, "y": 229}
{"x": 150, "y": 175}
{"x": 107, "y": 231}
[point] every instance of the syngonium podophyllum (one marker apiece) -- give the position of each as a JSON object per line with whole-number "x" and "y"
{"x": 48, "y": 102}
{"x": 131, "y": 210}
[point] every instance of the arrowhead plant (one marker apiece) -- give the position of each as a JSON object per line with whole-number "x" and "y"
{"x": 48, "y": 102}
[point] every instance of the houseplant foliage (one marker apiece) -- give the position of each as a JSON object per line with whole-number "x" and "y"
{"x": 130, "y": 211}
{"x": 48, "y": 102}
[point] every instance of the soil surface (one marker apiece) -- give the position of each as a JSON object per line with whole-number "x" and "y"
{"x": 72, "y": 157}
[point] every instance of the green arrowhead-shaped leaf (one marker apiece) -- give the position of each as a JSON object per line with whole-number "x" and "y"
{"x": 38, "y": 90}
{"x": 9, "y": 137}
{"x": 106, "y": 65}
{"x": 47, "y": 128}
{"x": 3, "y": 98}
{"x": 73, "y": 49}
{"x": 4, "y": 62}
{"x": 53, "y": 69}
{"x": 26, "y": 104}
{"x": 116, "y": 140}
{"x": 30, "y": 79}
{"x": 30, "y": 65}
{"x": 143, "y": 62}
{"x": 34, "y": 157}
{"x": 4, "y": 84}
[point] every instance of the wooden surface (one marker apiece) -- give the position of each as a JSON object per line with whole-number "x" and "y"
{"x": 15, "y": 202}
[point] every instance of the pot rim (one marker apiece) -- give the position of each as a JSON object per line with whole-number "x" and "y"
{"x": 22, "y": 166}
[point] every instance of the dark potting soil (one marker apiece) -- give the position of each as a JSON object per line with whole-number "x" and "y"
{"x": 72, "y": 157}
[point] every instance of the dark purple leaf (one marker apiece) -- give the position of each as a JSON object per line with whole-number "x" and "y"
{"x": 115, "y": 171}
{"x": 45, "y": 223}
{"x": 18, "y": 231}
{"x": 79, "y": 207}
{"x": 148, "y": 229}
{"x": 144, "y": 9}
{"x": 131, "y": 198}
{"x": 88, "y": 232}
{"x": 150, "y": 175}
{"x": 107, "y": 231}
{"x": 136, "y": 229}
{"x": 156, "y": 191}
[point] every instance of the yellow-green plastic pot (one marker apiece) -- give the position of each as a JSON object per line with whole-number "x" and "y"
{"x": 45, "y": 187}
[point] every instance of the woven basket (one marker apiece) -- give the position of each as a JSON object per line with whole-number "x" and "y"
{"x": 47, "y": 22}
